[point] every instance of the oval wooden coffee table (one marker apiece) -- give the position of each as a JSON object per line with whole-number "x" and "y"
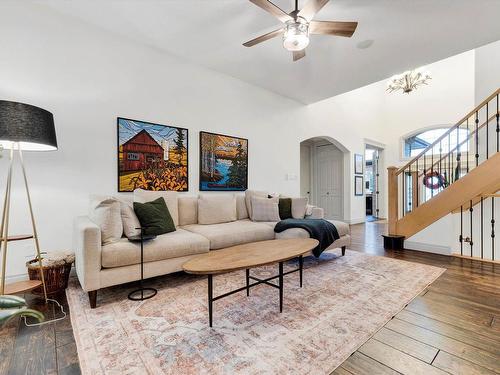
{"x": 247, "y": 256}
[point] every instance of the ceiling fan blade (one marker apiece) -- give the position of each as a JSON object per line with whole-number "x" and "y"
{"x": 311, "y": 8}
{"x": 333, "y": 28}
{"x": 263, "y": 38}
{"x": 297, "y": 55}
{"x": 273, "y": 9}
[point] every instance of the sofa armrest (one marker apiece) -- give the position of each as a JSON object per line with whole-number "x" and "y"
{"x": 87, "y": 247}
{"x": 317, "y": 213}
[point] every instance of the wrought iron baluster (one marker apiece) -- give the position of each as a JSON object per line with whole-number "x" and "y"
{"x": 482, "y": 227}
{"x": 432, "y": 169}
{"x": 493, "y": 227}
{"x": 404, "y": 192}
{"x": 461, "y": 237}
{"x": 468, "y": 145}
{"x": 471, "y": 243}
{"x": 498, "y": 126}
{"x": 487, "y": 126}
{"x": 417, "y": 185}
{"x": 477, "y": 139}
{"x": 457, "y": 170}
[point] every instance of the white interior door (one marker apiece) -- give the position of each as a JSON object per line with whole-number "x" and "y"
{"x": 328, "y": 181}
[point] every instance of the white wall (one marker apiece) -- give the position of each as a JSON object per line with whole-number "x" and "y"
{"x": 87, "y": 78}
{"x": 487, "y": 72}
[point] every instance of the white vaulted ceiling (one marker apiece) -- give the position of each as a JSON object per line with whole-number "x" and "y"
{"x": 404, "y": 33}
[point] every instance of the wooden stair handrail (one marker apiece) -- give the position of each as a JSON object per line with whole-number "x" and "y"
{"x": 457, "y": 125}
{"x": 459, "y": 145}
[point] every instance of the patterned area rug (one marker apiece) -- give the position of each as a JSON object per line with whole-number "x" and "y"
{"x": 343, "y": 302}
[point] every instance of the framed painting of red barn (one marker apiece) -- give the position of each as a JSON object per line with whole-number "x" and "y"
{"x": 151, "y": 156}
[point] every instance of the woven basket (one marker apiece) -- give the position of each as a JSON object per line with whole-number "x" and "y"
{"x": 56, "y": 274}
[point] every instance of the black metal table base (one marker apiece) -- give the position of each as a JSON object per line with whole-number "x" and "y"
{"x": 249, "y": 285}
{"x": 142, "y": 293}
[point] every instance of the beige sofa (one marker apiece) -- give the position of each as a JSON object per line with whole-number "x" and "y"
{"x": 99, "y": 266}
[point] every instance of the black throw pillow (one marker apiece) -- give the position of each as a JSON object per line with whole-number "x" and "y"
{"x": 154, "y": 217}
{"x": 285, "y": 208}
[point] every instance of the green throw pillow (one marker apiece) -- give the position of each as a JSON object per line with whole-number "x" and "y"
{"x": 285, "y": 208}
{"x": 154, "y": 217}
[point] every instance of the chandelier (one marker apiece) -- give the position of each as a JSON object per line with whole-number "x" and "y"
{"x": 408, "y": 81}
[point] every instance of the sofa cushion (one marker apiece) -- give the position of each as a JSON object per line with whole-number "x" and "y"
{"x": 248, "y": 198}
{"x": 105, "y": 212}
{"x": 233, "y": 233}
{"x": 188, "y": 210}
{"x": 216, "y": 209}
{"x": 170, "y": 197}
{"x": 166, "y": 246}
{"x": 265, "y": 209}
{"x": 241, "y": 207}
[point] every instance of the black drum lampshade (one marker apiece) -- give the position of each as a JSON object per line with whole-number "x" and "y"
{"x": 31, "y": 128}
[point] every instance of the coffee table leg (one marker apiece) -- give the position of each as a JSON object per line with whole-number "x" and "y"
{"x": 210, "y": 299}
{"x": 301, "y": 264}
{"x": 248, "y": 282}
{"x": 281, "y": 285}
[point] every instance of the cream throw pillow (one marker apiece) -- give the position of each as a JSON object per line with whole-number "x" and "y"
{"x": 215, "y": 209}
{"x": 249, "y": 194}
{"x": 105, "y": 212}
{"x": 265, "y": 209}
{"x": 299, "y": 207}
{"x": 170, "y": 197}
{"x": 129, "y": 219}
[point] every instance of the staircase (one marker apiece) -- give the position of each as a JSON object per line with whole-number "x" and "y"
{"x": 457, "y": 172}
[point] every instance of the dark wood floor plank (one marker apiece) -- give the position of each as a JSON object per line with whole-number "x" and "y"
{"x": 456, "y": 316}
{"x": 7, "y": 344}
{"x": 468, "y": 337}
{"x": 397, "y": 360}
{"x": 35, "y": 351}
{"x": 67, "y": 359}
{"x": 406, "y": 345}
{"x": 458, "y": 366}
{"x": 452, "y": 346}
{"x": 360, "y": 364}
{"x": 439, "y": 295}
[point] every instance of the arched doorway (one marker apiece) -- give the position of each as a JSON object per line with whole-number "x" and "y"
{"x": 322, "y": 166}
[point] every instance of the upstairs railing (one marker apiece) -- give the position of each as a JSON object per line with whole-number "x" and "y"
{"x": 463, "y": 147}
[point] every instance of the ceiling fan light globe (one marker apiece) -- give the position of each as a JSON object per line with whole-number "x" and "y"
{"x": 296, "y": 36}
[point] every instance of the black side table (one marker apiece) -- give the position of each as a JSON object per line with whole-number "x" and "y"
{"x": 142, "y": 293}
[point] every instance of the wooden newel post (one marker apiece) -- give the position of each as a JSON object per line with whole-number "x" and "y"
{"x": 393, "y": 199}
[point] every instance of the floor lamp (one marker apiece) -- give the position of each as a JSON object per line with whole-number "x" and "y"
{"x": 23, "y": 127}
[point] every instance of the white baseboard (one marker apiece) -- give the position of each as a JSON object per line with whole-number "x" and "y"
{"x": 16, "y": 278}
{"x": 436, "y": 249}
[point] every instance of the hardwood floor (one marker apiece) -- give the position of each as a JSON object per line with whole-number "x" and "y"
{"x": 452, "y": 327}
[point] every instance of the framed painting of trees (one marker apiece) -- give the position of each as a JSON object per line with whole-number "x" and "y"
{"x": 223, "y": 162}
{"x": 151, "y": 156}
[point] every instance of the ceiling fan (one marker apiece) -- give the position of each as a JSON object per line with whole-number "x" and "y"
{"x": 299, "y": 25}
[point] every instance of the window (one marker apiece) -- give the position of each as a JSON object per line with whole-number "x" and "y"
{"x": 132, "y": 156}
{"x": 416, "y": 143}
